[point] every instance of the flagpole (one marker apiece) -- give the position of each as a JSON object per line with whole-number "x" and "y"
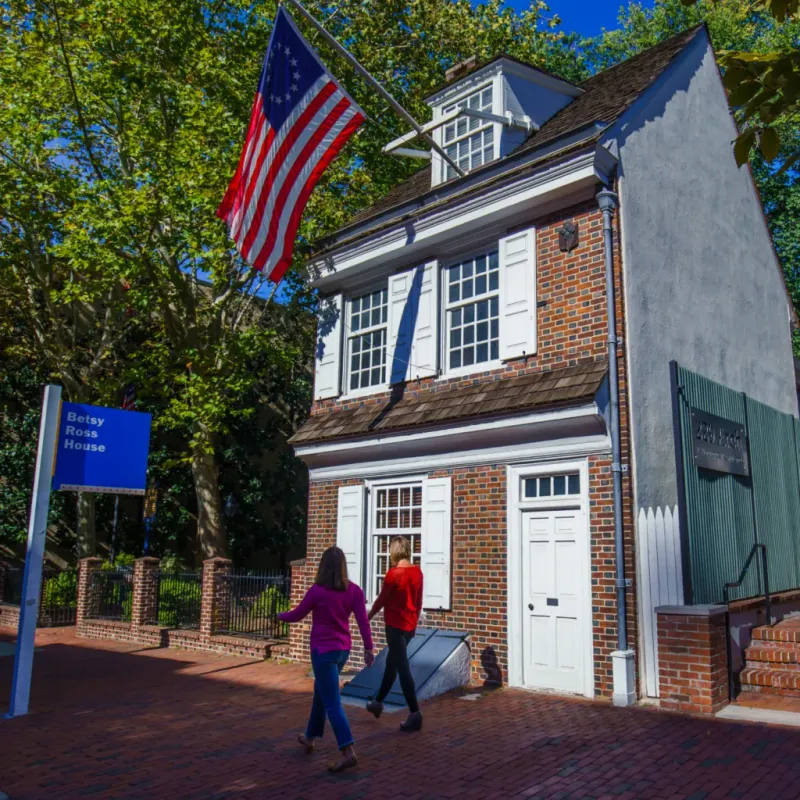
{"x": 374, "y": 84}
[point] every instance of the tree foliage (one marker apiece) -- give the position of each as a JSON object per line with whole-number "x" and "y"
{"x": 121, "y": 122}
{"x": 735, "y": 26}
{"x": 765, "y": 84}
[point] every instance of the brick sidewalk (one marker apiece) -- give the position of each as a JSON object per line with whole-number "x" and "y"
{"x": 112, "y": 720}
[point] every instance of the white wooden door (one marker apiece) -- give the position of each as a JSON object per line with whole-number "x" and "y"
{"x": 554, "y": 583}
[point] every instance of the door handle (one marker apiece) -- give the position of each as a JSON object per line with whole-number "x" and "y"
{"x": 530, "y": 606}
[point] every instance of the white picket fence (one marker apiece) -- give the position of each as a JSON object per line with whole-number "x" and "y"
{"x": 660, "y": 579}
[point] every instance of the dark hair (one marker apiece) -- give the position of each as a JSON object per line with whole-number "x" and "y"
{"x": 332, "y": 570}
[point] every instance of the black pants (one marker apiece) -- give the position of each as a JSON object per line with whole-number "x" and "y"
{"x": 397, "y": 663}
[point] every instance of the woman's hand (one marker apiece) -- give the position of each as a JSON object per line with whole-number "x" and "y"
{"x": 369, "y": 658}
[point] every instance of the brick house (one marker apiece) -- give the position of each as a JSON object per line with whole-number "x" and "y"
{"x": 463, "y": 392}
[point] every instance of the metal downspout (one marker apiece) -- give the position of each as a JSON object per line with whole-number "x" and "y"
{"x": 607, "y": 201}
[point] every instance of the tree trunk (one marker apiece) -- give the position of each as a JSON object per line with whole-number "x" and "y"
{"x": 210, "y": 523}
{"x": 87, "y": 543}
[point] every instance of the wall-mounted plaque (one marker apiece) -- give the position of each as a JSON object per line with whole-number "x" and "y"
{"x": 719, "y": 444}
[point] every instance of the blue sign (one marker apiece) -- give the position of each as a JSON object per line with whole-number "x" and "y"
{"x": 102, "y": 449}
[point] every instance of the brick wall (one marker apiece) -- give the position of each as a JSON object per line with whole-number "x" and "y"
{"x": 571, "y": 326}
{"x": 9, "y": 616}
{"x": 479, "y": 569}
{"x": 214, "y": 601}
{"x": 692, "y": 658}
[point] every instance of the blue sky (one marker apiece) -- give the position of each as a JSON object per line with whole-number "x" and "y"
{"x": 587, "y": 17}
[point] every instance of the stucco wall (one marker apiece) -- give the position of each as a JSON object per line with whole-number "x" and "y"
{"x": 702, "y": 284}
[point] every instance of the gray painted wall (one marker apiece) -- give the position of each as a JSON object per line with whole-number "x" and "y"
{"x": 702, "y": 284}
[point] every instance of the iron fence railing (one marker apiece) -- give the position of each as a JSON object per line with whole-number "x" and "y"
{"x": 178, "y": 599}
{"x": 111, "y": 595}
{"x": 12, "y": 585}
{"x": 250, "y": 604}
{"x": 59, "y": 603}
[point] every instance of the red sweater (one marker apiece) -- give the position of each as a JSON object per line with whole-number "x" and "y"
{"x": 401, "y": 596}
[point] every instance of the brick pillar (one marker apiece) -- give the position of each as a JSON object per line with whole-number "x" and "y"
{"x": 145, "y": 592}
{"x": 86, "y": 568}
{"x": 299, "y": 632}
{"x": 692, "y": 659}
{"x": 216, "y": 597}
{"x": 3, "y": 572}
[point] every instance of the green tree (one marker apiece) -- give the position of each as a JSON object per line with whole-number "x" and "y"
{"x": 121, "y": 122}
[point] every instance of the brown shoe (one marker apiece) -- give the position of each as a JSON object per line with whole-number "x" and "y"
{"x": 413, "y": 723}
{"x": 307, "y": 745}
{"x": 341, "y": 766}
{"x": 375, "y": 708}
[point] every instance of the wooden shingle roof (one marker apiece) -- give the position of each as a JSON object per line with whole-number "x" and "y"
{"x": 607, "y": 95}
{"x": 458, "y": 403}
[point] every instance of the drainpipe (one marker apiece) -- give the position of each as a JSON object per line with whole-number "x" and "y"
{"x": 622, "y": 658}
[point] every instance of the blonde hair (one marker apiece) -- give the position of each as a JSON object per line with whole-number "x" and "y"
{"x": 399, "y": 549}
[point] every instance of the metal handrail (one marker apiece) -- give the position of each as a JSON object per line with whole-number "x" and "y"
{"x": 759, "y": 546}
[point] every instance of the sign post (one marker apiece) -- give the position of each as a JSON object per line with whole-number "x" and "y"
{"x": 37, "y": 534}
{"x": 82, "y": 448}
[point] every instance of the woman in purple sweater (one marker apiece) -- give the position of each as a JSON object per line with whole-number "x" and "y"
{"x": 331, "y": 601}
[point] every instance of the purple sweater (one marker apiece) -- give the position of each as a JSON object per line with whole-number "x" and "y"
{"x": 331, "y": 610}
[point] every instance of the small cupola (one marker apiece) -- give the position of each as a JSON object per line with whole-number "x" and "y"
{"x": 484, "y": 111}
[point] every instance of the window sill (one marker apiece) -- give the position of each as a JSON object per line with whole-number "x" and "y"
{"x": 472, "y": 369}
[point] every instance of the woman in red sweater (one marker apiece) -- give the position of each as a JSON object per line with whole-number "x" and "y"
{"x": 401, "y": 599}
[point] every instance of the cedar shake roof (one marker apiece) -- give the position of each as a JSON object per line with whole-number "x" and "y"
{"x": 455, "y": 402}
{"x": 606, "y": 97}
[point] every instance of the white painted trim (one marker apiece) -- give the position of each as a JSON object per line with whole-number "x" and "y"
{"x": 559, "y": 415}
{"x": 537, "y": 452}
{"x": 502, "y": 201}
{"x": 516, "y": 505}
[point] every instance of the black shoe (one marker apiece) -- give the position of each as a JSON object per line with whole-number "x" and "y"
{"x": 413, "y": 723}
{"x": 375, "y": 708}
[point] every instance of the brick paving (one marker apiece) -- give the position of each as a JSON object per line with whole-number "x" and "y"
{"x": 114, "y": 720}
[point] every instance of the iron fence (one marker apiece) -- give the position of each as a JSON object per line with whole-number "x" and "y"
{"x": 12, "y": 585}
{"x": 250, "y": 604}
{"x": 178, "y": 599}
{"x": 111, "y": 595}
{"x": 59, "y": 603}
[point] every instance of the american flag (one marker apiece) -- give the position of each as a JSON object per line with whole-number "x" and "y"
{"x": 301, "y": 119}
{"x": 129, "y": 400}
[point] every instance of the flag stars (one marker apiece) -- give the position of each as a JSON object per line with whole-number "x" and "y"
{"x": 296, "y": 76}
{"x": 294, "y": 87}
{"x": 288, "y": 52}
{"x": 292, "y": 61}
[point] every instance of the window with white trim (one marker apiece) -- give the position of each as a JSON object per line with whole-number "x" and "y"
{"x": 469, "y": 141}
{"x": 472, "y": 311}
{"x": 397, "y": 511}
{"x": 545, "y": 486}
{"x": 366, "y": 340}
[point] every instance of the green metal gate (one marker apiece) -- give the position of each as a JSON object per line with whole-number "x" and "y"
{"x": 722, "y": 514}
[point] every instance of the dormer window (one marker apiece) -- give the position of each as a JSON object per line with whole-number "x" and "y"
{"x": 469, "y": 141}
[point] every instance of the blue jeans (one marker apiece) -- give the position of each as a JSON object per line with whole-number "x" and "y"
{"x": 327, "y": 700}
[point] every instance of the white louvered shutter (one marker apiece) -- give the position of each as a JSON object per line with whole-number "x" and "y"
{"x": 398, "y": 350}
{"x": 425, "y": 349}
{"x": 437, "y": 501}
{"x": 328, "y": 355}
{"x": 518, "y": 294}
{"x": 350, "y": 530}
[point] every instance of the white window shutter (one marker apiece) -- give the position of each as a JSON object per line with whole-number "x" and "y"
{"x": 328, "y": 356}
{"x": 437, "y": 502}
{"x": 401, "y": 327}
{"x": 350, "y": 530}
{"x": 518, "y": 294}
{"x": 425, "y": 350}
